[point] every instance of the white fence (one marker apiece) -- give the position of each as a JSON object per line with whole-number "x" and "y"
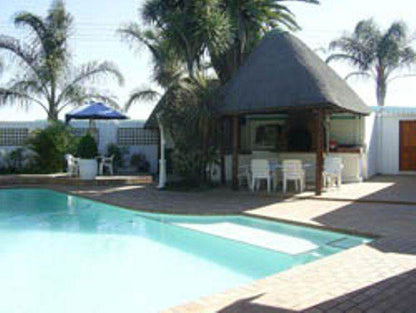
{"x": 129, "y": 135}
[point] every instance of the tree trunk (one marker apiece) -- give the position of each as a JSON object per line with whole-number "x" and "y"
{"x": 381, "y": 88}
{"x": 53, "y": 113}
{"x": 236, "y": 139}
{"x": 319, "y": 118}
{"x": 53, "y": 105}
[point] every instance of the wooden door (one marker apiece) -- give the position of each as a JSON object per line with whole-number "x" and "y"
{"x": 407, "y": 146}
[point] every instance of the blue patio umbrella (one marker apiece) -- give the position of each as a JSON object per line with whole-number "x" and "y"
{"x": 94, "y": 111}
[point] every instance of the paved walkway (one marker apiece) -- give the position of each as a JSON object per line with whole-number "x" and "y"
{"x": 377, "y": 277}
{"x": 397, "y": 189}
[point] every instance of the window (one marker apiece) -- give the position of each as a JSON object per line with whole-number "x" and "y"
{"x": 13, "y": 136}
{"x": 137, "y": 137}
{"x": 266, "y": 136}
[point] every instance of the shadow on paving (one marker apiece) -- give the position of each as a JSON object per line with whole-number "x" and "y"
{"x": 220, "y": 200}
{"x": 396, "y": 294}
{"x": 397, "y": 189}
{"x": 247, "y": 305}
{"x": 395, "y": 224}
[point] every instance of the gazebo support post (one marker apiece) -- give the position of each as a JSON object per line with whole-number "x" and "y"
{"x": 162, "y": 160}
{"x": 222, "y": 150}
{"x": 319, "y": 118}
{"x": 236, "y": 139}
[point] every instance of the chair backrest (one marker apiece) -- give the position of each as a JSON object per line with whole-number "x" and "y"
{"x": 260, "y": 167}
{"x": 259, "y": 154}
{"x": 292, "y": 165}
{"x": 243, "y": 169}
{"x": 333, "y": 164}
{"x": 69, "y": 159}
{"x": 292, "y": 168}
{"x": 108, "y": 160}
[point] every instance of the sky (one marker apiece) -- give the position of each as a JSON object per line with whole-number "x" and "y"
{"x": 95, "y": 38}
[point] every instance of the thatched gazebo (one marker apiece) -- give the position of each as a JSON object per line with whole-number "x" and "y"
{"x": 283, "y": 75}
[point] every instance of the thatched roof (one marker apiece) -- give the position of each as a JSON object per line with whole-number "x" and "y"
{"x": 282, "y": 74}
{"x": 151, "y": 121}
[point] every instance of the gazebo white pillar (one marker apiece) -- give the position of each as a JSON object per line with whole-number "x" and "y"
{"x": 162, "y": 160}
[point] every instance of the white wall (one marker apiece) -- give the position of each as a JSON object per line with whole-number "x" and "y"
{"x": 383, "y": 139}
{"x": 388, "y": 145}
{"x": 346, "y": 129}
{"x": 371, "y": 142}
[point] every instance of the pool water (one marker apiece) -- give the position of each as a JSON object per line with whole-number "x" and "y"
{"x": 62, "y": 253}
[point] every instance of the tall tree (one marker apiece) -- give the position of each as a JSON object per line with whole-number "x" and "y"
{"x": 227, "y": 30}
{"x": 168, "y": 69}
{"x": 249, "y": 21}
{"x": 47, "y": 77}
{"x": 376, "y": 54}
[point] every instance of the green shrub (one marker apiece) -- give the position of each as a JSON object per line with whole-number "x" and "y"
{"x": 139, "y": 161}
{"x": 87, "y": 147}
{"x": 17, "y": 159}
{"x": 50, "y": 146}
{"x": 114, "y": 149}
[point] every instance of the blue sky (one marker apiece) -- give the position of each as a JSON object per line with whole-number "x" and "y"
{"x": 95, "y": 38}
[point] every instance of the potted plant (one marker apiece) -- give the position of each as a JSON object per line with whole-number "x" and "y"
{"x": 139, "y": 161}
{"x": 87, "y": 151}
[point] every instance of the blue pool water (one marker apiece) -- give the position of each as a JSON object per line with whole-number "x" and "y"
{"x": 61, "y": 253}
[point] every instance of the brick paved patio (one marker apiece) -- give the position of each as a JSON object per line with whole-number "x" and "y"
{"x": 377, "y": 277}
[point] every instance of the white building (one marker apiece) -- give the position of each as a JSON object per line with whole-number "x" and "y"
{"x": 393, "y": 148}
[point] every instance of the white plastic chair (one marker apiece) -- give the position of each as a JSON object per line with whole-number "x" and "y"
{"x": 332, "y": 171}
{"x": 106, "y": 162}
{"x": 293, "y": 171}
{"x": 244, "y": 175}
{"x": 260, "y": 170}
{"x": 72, "y": 165}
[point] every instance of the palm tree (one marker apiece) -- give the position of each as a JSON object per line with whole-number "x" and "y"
{"x": 249, "y": 21}
{"x": 167, "y": 68}
{"x": 227, "y": 30}
{"x": 189, "y": 27}
{"x": 47, "y": 78}
{"x": 376, "y": 54}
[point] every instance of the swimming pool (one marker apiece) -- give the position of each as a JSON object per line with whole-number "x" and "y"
{"x": 61, "y": 253}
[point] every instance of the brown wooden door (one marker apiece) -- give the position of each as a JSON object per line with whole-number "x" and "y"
{"x": 407, "y": 146}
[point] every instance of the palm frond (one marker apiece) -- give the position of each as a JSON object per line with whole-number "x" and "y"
{"x": 343, "y": 57}
{"x": 400, "y": 76}
{"x": 141, "y": 94}
{"x": 79, "y": 94}
{"x": 362, "y": 74}
{"x": 35, "y": 23}
{"x": 18, "y": 49}
{"x": 10, "y": 96}
{"x": 90, "y": 72}
{"x": 132, "y": 33}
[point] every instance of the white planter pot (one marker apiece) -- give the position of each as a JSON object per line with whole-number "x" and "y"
{"x": 87, "y": 168}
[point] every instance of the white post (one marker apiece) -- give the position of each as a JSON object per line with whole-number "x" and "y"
{"x": 162, "y": 161}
